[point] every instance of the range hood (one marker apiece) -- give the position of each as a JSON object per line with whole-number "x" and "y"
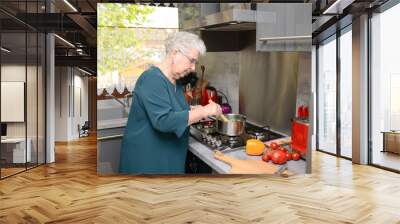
{"x": 228, "y": 20}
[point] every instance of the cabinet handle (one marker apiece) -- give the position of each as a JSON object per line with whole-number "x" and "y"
{"x": 285, "y": 38}
{"x": 109, "y": 137}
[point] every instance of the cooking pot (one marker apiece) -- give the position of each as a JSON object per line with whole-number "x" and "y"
{"x": 233, "y": 127}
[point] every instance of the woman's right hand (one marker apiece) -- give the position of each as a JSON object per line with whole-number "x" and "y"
{"x": 201, "y": 112}
{"x": 212, "y": 108}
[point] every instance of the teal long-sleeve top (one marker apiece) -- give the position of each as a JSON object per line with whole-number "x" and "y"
{"x": 156, "y": 136}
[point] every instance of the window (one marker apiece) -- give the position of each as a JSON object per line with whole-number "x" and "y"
{"x": 335, "y": 74}
{"x": 326, "y": 104}
{"x": 346, "y": 92}
{"x": 385, "y": 88}
{"x": 22, "y": 66}
{"x": 128, "y": 45}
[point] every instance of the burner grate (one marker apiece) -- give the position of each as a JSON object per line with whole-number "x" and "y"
{"x": 205, "y": 132}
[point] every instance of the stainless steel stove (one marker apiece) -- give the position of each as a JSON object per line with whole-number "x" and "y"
{"x": 205, "y": 132}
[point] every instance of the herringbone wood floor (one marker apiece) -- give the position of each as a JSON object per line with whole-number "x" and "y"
{"x": 69, "y": 191}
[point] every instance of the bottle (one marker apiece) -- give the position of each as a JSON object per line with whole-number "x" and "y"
{"x": 300, "y": 112}
{"x": 306, "y": 112}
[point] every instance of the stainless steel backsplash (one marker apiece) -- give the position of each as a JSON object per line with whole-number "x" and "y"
{"x": 268, "y": 86}
{"x": 222, "y": 72}
{"x": 264, "y": 86}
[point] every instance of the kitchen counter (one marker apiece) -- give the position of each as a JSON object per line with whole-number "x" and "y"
{"x": 109, "y": 139}
{"x": 110, "y": 136}
{"x": 112, "y": 123}
{"x": 206, "y": 154}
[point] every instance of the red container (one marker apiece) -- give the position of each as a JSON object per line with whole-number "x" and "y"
{"x": 299, "y": 136}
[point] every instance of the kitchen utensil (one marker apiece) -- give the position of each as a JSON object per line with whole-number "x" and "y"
{"x": 200, "y": 91}
{"x": 222, "y": 116}
{"x": 234, "y": 127}
{"x": 280, "y": 141}
{"x": 239, "y": 166}
{"x": 210, "y": 93}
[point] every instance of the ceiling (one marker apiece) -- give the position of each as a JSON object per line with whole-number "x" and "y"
{"x": 332, "y": 15}
{"x": 75, "y": 21}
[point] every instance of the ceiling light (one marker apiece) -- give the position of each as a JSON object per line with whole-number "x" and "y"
{"x": 70, "y": 5}
{"x": 233, "y": 23}
{"x": 5, "y": 50}
{"x": 84, "y": 71}
{"x": 64, "y": 40}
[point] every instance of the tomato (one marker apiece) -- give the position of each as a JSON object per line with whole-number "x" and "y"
{"x": 274, "y": 145}
{"x": 278, "y": 157}
{"x": 295, "y": 156}
{"x": 269, "y": 153}
{"x": 265, "y": 158}
{"x": 283, "y": 149}
{"x": 288, "y": 156}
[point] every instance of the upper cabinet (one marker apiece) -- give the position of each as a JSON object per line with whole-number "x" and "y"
{"x": 283, "y": 26}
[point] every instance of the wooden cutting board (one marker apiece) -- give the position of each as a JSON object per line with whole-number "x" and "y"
{"x": 240, "y": 166}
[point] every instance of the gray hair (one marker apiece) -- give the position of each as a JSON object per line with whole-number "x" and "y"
{"x": 184, "y": 42}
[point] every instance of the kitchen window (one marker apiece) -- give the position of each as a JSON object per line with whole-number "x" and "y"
{"x": 128, "y": 45}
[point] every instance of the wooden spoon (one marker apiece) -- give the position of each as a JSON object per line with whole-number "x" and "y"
{"x": 202, "y": 80}
{"x": 222, "y": 116}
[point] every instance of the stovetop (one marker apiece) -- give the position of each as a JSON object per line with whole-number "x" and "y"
{"x": 205, "y": 132}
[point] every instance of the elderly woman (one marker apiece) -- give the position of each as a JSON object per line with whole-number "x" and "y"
{"x": 157, "y": 134}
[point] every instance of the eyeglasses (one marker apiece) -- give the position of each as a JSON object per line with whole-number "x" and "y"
{"x": 191, "y": 60}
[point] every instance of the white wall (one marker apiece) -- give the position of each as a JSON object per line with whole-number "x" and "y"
{"x": 14, "y": 73}
{"x": 80, "y": 94}
{"x": 71, "y": 94}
